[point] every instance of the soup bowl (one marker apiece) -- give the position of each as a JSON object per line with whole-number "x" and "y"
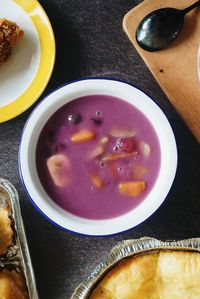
{"x": 28, "y": 168}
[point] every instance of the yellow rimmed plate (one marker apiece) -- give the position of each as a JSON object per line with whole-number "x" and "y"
{"x": 24, "y": 77}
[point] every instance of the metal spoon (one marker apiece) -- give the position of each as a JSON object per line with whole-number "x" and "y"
{"x": 160, "y": 28}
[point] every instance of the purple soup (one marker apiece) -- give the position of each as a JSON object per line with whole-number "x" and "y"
{"x": 98, "y": 157}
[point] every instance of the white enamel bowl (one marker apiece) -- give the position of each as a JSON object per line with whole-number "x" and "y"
{"x": 38, "y": 119}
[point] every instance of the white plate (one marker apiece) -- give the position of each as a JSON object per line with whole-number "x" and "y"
{"x": 25, "y": 75}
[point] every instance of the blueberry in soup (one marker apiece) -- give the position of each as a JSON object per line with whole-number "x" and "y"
{"x": 74, "y": 118}
{"x": 102, "y": 159}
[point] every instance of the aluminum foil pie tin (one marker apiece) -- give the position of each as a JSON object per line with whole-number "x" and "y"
{"x": 126, "y": 249}
{"x": 17, "y": 256}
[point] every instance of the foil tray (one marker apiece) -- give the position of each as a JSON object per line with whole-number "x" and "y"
{"x": 17, "y": 255}
{"x": 126, "y": 249}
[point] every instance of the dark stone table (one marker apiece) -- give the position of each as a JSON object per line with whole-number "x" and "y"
{"x": 91, "y": 43}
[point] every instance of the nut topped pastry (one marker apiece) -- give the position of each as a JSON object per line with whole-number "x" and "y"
{"x": 6, "y": 232}
{"x": 160, "y": 275}
{"x": 12, "y": 285}
{"x": 10, "y": 34}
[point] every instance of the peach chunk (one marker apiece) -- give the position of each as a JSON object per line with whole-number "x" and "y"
{"x": 59, "y": 167}
{"x": 82, "y": 136}
{"x": 133, "y": 188}
{"x": 97, "y": 181}
{"x": 139, "y": 171}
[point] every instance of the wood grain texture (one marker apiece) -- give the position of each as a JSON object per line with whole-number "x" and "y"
{"x": 174, "y": 68}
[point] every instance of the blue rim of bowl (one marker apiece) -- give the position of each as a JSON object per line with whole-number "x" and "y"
{"x": 22, "y": 179}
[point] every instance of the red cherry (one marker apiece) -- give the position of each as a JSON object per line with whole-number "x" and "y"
{"x": 125, "y": 144}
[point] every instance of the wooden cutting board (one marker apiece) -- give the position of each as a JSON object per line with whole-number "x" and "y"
{"x": 174, "y": 68}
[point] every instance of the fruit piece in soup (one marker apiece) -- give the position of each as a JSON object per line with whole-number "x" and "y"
{"x": 125, "y": 144}
{"x": 59, "y": 168}
{"x": 96, "y": 152}
{"x": 118, "y": 132}
{"x": 113, "y": 169}
{"x": 104, "y": 140}
{"x": 97, "y": 181}
{"x": 83, "y": 136}
{"x": 74, "y": 118}
{"x": 112, "y": 157}
{"x": 132, "y": 189}
{"x": 145, "y": 149}
{"x": 139, "y": 171}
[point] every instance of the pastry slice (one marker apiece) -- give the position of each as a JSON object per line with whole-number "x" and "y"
{"x": 6, "y": 232}
{"x": 160, "y": 275}
{"x": 12, "y": 285}
{"x": 10, "y": 34}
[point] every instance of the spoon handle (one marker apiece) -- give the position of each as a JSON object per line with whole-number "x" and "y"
{"x": 189, "y": 8}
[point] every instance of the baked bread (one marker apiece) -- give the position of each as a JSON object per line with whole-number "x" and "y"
{"x": 10, "y": 34}
{"x": 6, "y": 232}
{"x": 161, "y": 275}
{"x": 12, "y": 285}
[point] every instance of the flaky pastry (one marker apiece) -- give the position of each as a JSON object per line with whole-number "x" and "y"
{"x": 12, "y": 285}
{"x": 163, "y": 275}
{"x": 6, "y": 232}
{"x": 10, "y": 34}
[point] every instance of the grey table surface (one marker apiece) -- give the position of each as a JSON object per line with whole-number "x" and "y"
{"x": 91, "y": 43}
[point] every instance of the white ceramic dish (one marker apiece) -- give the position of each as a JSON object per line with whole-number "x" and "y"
{"x": 37, "y": 121}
